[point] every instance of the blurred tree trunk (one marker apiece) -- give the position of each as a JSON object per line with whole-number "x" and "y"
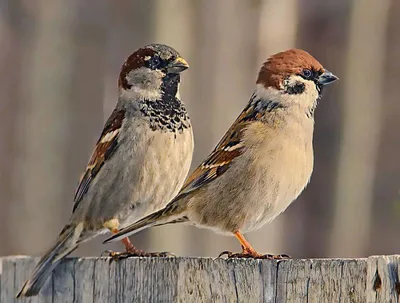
{"x": 386, "y": 209}
{"x": 282, "y": 17}
{"x": 11, "y": 37}
{"x": 42, "y": 121}
{"x": 362, "y": 102}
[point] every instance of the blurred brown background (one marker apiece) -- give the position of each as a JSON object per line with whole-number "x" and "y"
{"x": 59, "y": 62}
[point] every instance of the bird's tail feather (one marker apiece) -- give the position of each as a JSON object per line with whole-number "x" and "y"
{"x": 66, "y": 243}
{"x": 172, "y": 213}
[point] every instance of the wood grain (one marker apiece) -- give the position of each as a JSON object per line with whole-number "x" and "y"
{"x": 375, "y": 279}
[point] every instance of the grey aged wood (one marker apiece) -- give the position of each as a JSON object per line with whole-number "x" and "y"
{"x": 383, "y": 279}
{"x": 375, "y": 279}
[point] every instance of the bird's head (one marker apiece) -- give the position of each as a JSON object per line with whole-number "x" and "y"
{"x": 150, "y": 72}
{"x": 295, "y": 77}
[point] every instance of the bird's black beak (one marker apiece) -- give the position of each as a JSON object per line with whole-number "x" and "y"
{"x": 327, "y": 78}
{"x": 177, "y": 66}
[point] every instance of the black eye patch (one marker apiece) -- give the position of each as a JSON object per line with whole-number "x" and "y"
{"x": 154, "y": 62}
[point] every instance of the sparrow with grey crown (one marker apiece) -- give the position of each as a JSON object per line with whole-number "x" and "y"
{"x": 139, "y": 163}
{"x": 263, "y": 162}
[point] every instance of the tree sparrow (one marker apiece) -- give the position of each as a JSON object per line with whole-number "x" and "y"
{"x": 263, "y": 162}
{"x": 140, "y": 161}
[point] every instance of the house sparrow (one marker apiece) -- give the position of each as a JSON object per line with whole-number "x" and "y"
{"x": 263, "y": 162}
{"x": 140, "y": 161}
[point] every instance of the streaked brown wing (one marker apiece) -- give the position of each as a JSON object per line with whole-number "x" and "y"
{"x": 105, "y": 147}
{"x": 218, "y": 162}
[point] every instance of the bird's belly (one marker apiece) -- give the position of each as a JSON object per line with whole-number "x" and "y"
{"x": 278, "y": 184}
{"x": 164, "y": 170}
{"x": 268, "y": 207}
{"x": 249, "y": 197}
{"x": 254, "y": 190}
{"x": 142, "y": 178}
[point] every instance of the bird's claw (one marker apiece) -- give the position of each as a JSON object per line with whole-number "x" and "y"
{"x": 227, "y": 253}
{"x": 108, "y": 253}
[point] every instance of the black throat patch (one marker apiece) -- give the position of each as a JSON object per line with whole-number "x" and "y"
{"x": 169, "y": 113}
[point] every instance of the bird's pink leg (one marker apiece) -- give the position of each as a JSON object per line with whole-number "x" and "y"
{"x": 132, "y": 251}
{"x": 249, "y": 252}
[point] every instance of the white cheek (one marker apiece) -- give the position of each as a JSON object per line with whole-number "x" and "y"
{"x": 145, "y": 85}
{"x": 311, "y": 92}
{"x": 308, "y": 97}
{"x": 305, "y": 100}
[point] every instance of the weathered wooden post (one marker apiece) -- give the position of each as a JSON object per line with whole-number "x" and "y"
{"x": 375, "y": 279}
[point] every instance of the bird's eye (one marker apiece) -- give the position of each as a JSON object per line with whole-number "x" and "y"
{"x": 154, "y": 62}
{"x": 307, "y": 73}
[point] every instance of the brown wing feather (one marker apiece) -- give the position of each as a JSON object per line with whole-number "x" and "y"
{"x": 105, "y": 147}
{"x": 229, "y": 148}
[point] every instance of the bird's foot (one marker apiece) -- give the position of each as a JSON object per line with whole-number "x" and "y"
{"x": 108, "y": 253}
{"x": 253, "y": 255}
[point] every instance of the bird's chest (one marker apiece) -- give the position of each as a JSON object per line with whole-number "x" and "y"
{"x": 281, "y": 173}
{"x": 165, "y": 162}
{"x": 168, "y": 116}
